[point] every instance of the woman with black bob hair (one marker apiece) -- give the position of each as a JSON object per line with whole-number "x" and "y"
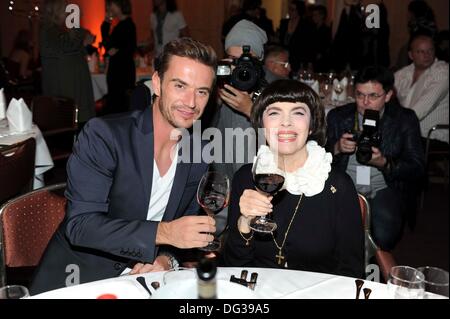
{"x": 316, "y": 211}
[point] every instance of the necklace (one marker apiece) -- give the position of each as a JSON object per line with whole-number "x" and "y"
{"x": 280, "y": 255}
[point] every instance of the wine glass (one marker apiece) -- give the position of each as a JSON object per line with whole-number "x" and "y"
{"x": 406, "y": 283}
{"x": 436, "y": 282}
{"x": 213, "y": 195}
{"x": 338, "y": 89}
{"x": 268, "y": 179}
{"x": 14, "y": 292}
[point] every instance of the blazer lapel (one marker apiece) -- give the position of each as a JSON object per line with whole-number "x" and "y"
{"x": 144, "y": 148}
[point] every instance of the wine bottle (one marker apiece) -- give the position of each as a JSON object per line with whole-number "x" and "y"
{"x": 206, "y": 272}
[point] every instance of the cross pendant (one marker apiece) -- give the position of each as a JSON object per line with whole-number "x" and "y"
{"x": 280, "y": 257}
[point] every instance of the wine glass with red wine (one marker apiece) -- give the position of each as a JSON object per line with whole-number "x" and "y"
{"x": 213, "y": 195}
{"x": 268, "y": 179}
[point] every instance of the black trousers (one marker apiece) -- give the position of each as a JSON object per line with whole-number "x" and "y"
{"x": 387, "y": 218}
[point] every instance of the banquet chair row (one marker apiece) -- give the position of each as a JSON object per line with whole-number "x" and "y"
{"x": 384, "y": 259}
{"x": 27, "y": 223}
{"x": 16, "y": 168}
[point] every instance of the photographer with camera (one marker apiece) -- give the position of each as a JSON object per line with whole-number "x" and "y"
{"x": 244, "y": 47}
{"x": 239, "y": 79}
{"x": 377, "y": 142}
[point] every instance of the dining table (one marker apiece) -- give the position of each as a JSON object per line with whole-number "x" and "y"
{"x": 100, "y": 86}
{"x": 270, "y": 284}
{"x": 43, "y": 159}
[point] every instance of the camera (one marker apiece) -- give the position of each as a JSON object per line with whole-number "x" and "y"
{"x": 369, "y": 137}
{"x": 247, "y": 74}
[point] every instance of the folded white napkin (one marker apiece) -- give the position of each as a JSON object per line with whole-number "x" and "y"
{"x": 342, "y": 96}
{"x": 2, "y": 105}
{"x": 19, "y": 116}
{"x": 315, "y": 86}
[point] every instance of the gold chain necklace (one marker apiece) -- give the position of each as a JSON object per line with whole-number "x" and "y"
{"x": 280, "y": 256}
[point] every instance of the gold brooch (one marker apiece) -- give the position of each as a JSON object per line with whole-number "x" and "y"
{"x": 333, "y": 189}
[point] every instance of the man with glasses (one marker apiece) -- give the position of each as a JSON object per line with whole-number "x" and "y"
{"x": 276, "y": 63}
{"x": 388, "y": 179}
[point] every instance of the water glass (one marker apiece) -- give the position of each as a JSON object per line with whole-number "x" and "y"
{"x": 406, "y": 283}
{"x": 179, "y": 274}
{"x": 14, "y": 292}
{"x": 436, "y": 281}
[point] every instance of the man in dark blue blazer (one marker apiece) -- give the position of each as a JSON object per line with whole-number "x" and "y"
{"x": 128, "y": 195}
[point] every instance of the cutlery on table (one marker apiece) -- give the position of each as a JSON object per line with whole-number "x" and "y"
{"x": 141, "y": 280}
{"x": 253, "y": 278}
{"x": 243, "y": 280}
{"x": 239, "y": 281}
{"x": 155, "y": 284}
{"x": 359, "y": 283}
{"x": 367, "y": 292}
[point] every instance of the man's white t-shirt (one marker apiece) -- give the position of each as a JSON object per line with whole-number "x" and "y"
{"x": 161, "y": 188}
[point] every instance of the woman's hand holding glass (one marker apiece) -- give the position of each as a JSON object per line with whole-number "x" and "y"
{"x": 253, "y": 203}
{"x": 268, "y": 177}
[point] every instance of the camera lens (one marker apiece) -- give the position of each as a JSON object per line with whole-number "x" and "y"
{"x": 364, "y": 152}
{"x": 244, "y": 75}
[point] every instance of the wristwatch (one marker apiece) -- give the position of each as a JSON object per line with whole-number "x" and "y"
{"x": 173, "y": 262}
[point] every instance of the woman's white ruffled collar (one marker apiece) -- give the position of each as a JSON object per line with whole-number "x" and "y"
{"x": 309, "y": 179}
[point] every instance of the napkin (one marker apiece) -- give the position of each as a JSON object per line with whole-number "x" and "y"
{"x": 341, "y": 97}
{"x": 315, "y": 86}
{"x": 19, "y": 116}
{"x": 2, "y": 105}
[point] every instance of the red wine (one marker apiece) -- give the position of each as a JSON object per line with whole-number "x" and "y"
{"x": 213, "y": 202}
{"x": 269, "y": 183}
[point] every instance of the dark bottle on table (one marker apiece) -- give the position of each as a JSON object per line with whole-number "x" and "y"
{"x": 206, "y": 272}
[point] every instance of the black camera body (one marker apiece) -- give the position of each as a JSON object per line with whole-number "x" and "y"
{"x": 369, "y": 137}
{"x": 247, "y": 74}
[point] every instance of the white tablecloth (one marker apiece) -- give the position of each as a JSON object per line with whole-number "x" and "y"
{"x": 43, "y": 159}
{"x": 100, "y": 86}
{"x": 271, "y": 284}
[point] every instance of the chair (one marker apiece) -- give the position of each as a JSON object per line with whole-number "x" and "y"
{"x": 16, "y": 85}
{"x": 57, "y": 118}
{"x": 27, "y": 223}
{"x": 431, "y": 156}
{"x": 16, "y": 168}
{"x": 384, "y": 259}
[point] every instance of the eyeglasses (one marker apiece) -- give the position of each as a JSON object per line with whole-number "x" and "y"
{"x": 285, "y": 64}
{"x": 372, "y": 96}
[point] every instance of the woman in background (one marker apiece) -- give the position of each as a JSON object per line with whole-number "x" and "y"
{"x": 65, "y": 70}
{"x": 121, "y": 47}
